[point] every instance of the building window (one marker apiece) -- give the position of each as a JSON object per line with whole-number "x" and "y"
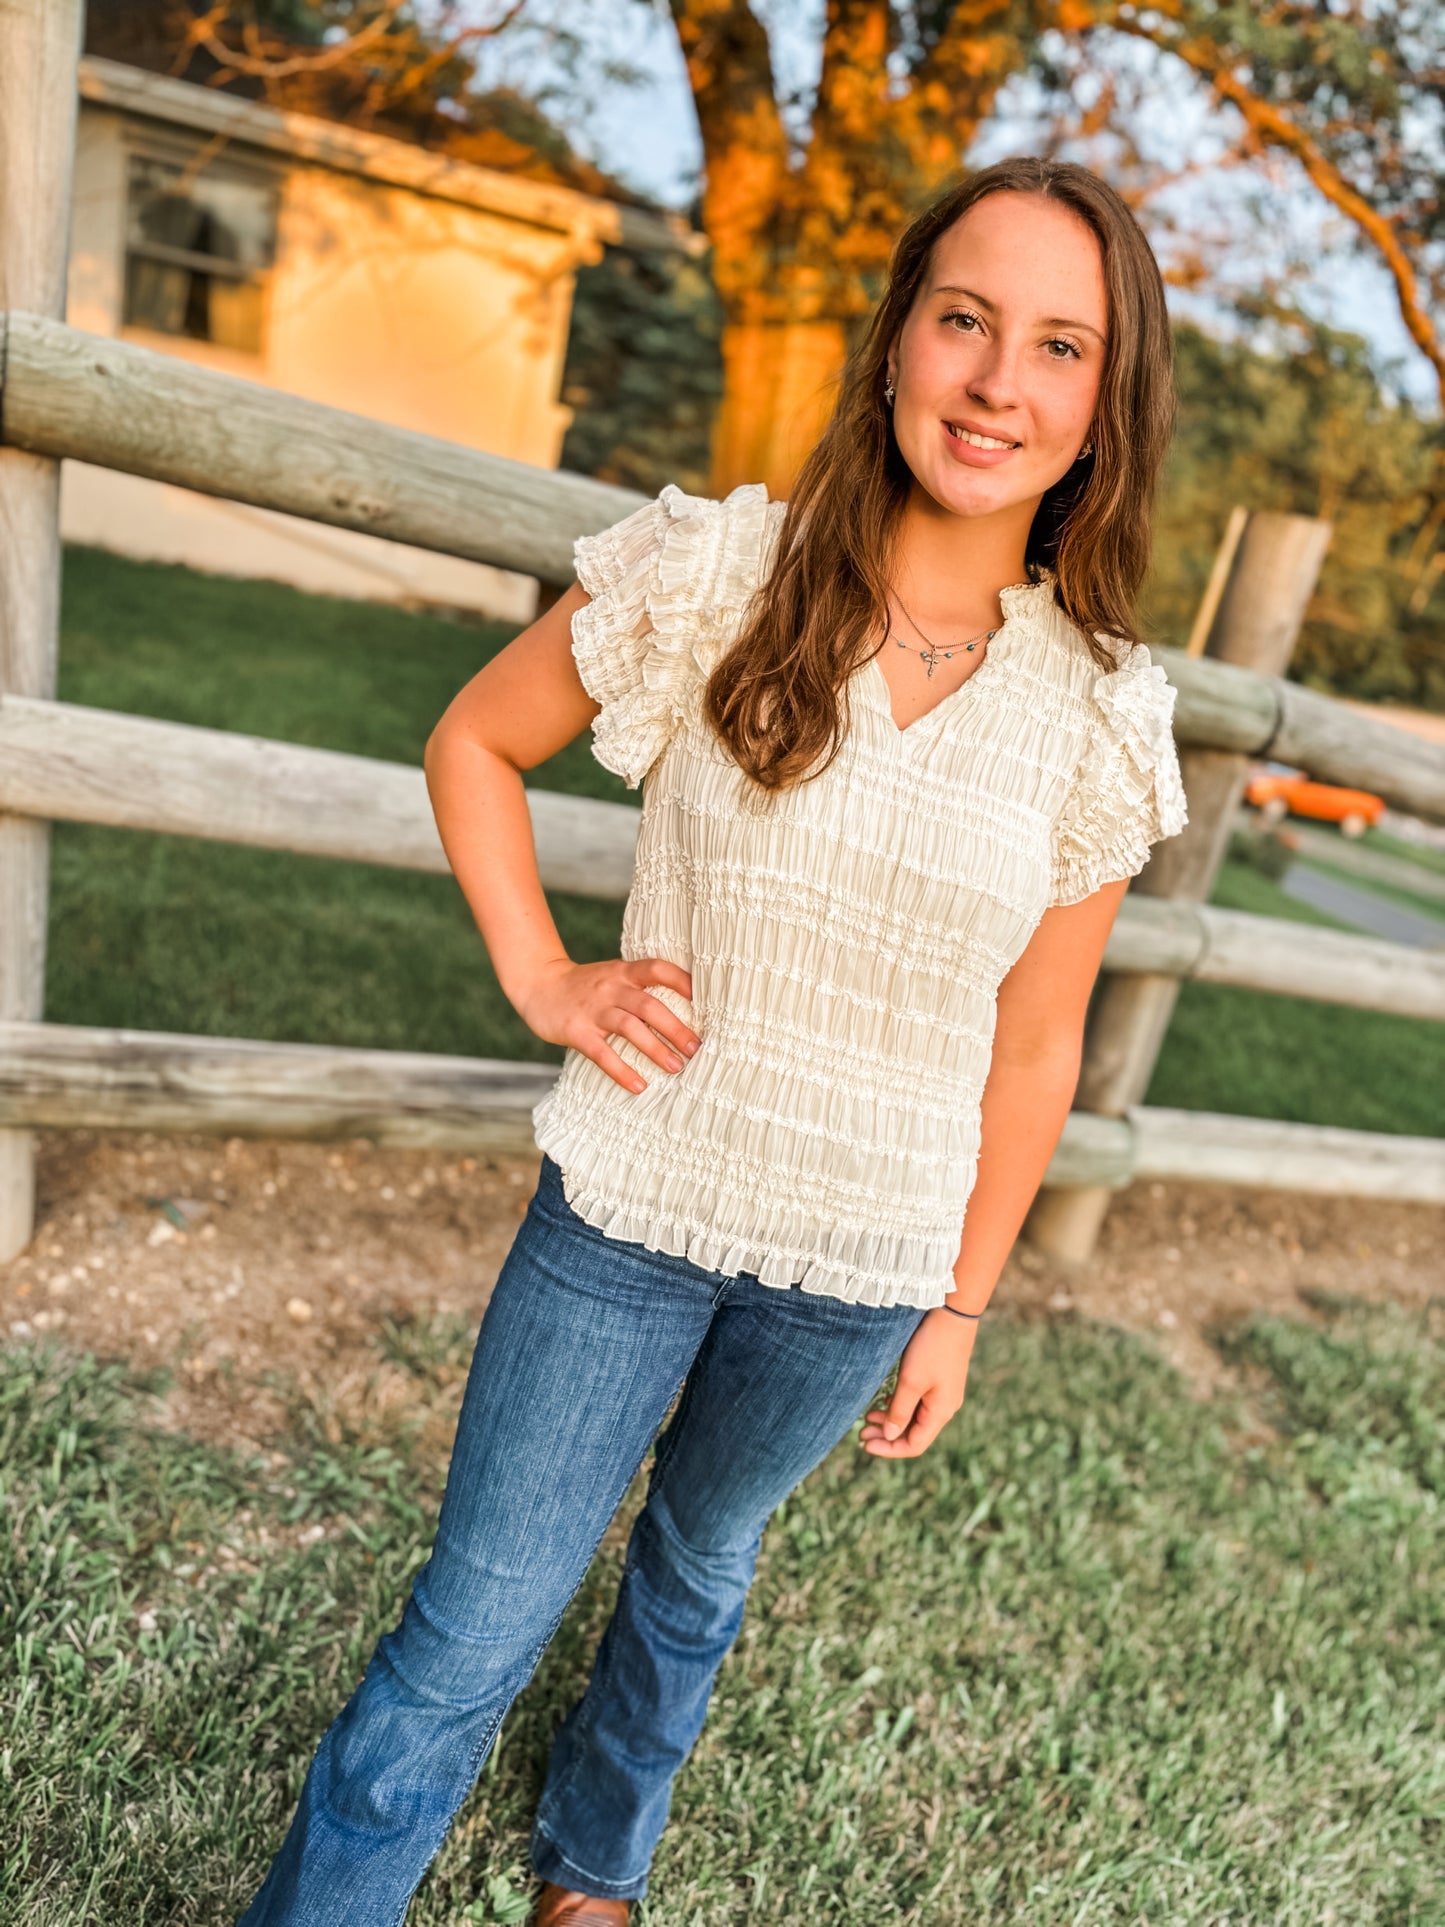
{"x": 200, "y": 240}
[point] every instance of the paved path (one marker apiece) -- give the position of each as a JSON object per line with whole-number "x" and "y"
{"x": 1363, "y": 908}
{"x": 1374, "y": 866}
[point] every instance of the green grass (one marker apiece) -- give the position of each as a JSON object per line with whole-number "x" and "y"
{"x": 1250, "y": 1053}
{"x": 1107, "y": 1654}
{"x": 170, "y": 933}
{"x": 1424, "y": 854}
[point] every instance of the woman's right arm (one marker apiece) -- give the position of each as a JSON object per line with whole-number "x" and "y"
{"x": 523, "y": 706}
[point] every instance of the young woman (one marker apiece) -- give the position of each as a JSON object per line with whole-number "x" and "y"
{"x": 903, "y": 753}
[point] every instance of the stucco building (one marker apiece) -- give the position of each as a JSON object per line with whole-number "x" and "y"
{"x": 342, "y": 266}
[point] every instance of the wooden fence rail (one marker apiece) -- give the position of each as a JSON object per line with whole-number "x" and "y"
{"x": 78, "y": 765}
{"x": 61, "y": 762}
{"x": 69, "y": 394}
{"x": 119, "y": 406}
{"x": 62, "y": 1076}
{"x": 1222, "y": 706}
{"x": 1368, "y": 863}
{"x": 64, "y": 394}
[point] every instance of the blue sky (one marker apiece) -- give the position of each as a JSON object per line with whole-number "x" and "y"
{"x": 1244, "y": 218}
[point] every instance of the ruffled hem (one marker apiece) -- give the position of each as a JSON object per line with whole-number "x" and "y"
{"x": 587, "y": 1176}
{"x": 668, "y": 586}
{"x": 1127, "y": 793}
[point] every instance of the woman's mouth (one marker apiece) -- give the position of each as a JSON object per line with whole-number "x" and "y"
{"x": 978, "y": 451}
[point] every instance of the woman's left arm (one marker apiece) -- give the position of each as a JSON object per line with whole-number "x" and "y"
{"x": 1033, "y": 1074}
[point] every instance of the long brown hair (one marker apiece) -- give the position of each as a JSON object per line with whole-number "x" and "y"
{"x": 774, "y": 697}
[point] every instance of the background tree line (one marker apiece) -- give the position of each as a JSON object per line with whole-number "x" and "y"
{"x": 714, "y": 372}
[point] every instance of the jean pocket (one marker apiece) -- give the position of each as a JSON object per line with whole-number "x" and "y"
{"x": 549, "y": 1202}
{"x": 550, "y": 1197}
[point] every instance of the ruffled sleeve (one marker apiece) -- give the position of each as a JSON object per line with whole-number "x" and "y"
{"x": 667, "y": 586}
{"x": 1126, "y": 792}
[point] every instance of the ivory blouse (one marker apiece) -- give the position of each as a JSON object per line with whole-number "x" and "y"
{"x": 846, "y": 938}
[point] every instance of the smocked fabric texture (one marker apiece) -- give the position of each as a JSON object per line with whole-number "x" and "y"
{"x": 846, "y": 938}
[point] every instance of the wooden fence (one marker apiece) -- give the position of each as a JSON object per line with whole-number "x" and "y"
{"x": 110, "y": 402}
{"x": 67, "y": 394}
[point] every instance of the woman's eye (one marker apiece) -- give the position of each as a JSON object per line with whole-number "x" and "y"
{"x": 1055, "y": 341}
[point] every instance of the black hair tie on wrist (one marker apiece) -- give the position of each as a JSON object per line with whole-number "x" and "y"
{"x": 961, "y": 1314}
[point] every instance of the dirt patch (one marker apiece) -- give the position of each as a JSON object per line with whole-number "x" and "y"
{"x": 235, "y": 1259}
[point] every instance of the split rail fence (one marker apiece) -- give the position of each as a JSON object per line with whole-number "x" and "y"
{"x": 109, "y": 402}
{"x": 67, "y": 394}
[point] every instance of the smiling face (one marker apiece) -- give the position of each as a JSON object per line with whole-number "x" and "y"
{"x": 1006, "y": 338}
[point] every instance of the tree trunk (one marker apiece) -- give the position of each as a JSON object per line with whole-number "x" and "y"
{"x": 800, "y": 243}
{"x": 780, "y": 380}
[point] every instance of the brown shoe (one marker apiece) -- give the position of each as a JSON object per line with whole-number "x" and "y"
{"x": 565, "y": 1907}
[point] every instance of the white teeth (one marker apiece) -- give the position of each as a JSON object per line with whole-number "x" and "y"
{"x": 977, "y": 441}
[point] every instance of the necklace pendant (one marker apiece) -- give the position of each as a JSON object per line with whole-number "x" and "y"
{"x": 930, "y": 656}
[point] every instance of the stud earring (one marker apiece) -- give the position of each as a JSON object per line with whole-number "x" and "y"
{"x": 888, "y": 394}
{"x": 1087, "y": 449}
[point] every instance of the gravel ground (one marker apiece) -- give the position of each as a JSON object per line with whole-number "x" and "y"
{"x": 235, "y": 1260}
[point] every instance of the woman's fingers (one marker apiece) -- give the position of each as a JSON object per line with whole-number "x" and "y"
{"x": 912, "y": 1421}
{"x": 895, "y": 1419}
{"x": 659, "y": 1017}
{"x": 662, "y": 970}
{"x": 638, "y": 1031}
{"x": 583, "y": 1005}
{"x": 617, "y": 1068}
{"x": 659, "y": 970}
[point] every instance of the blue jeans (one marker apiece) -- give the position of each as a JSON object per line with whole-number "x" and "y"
{"x": 585, "y": 1343}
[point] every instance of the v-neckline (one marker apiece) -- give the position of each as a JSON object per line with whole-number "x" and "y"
{"x": 885, "y": 694}
{"x": 1016, "y": 599}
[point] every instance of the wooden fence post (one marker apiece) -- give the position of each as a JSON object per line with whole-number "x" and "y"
{"x": 39, "y": 51}
{"x": 1256, "y": 623}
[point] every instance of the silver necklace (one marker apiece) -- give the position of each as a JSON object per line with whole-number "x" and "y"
{"x": 933, "y": 653}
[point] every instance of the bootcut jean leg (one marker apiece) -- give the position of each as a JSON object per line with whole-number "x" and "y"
{"x": 780, "y": 1378}
{"x": 583, "y": 1347}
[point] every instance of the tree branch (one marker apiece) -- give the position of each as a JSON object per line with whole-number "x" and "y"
{"x": 745, "y": 145}
{"x": 264, "y": 60}
{"x": 1272, "y": 126}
